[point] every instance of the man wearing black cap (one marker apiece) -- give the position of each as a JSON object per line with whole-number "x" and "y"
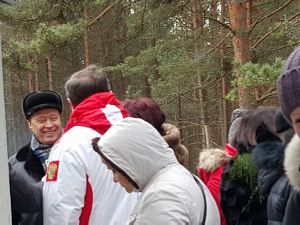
{"x": 42, "y": 111}
{"x": 78, "y": 187}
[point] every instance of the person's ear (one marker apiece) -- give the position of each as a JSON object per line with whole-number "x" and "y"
{"x": 29, "y": 124}
{"x": 71, "y": 104}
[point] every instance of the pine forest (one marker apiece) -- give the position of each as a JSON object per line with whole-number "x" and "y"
{"x": 199, "y": 59}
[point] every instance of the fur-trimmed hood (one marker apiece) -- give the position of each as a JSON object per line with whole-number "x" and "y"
{"x": 292, "y": 162}
{"x": 212, "y": 158}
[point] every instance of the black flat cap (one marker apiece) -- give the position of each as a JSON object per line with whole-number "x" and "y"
{"x": 39, "y": 100}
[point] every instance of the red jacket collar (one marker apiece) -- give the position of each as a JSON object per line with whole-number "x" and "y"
{"x": 97, "y": 112}
{"x": 231, "y": 150}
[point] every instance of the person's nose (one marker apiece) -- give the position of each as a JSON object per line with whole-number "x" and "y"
{"x": 49, "y": 123}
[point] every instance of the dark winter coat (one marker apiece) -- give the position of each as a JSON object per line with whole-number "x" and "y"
{"x": 241, "y": 204}
{"x": 241, "y": 201}
{"x": 291, "y": 166}
{"x": 272, "y": 181}
{"x": 292, "y": 211}
{"x": 30, "y": 168}
{"x": 25, "y": 196}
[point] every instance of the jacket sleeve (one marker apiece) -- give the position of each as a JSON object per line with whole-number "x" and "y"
{"x": 213, "y": 184}
{"x": 292, "y": 211}
{"x": 64, "y": 189}
{"x": 162, "y": 208}
{"x": 26, "y": 197}
{"x": 277, "y": 200}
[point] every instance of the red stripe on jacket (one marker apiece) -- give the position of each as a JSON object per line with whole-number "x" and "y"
{"x": 88, "y": 204}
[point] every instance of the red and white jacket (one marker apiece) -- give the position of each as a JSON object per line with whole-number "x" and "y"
{"x": 78, "y": 188}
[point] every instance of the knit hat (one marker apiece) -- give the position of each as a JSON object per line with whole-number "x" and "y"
{"x": 235, "y": 122}
{"x": 39, "y": 100}
{"x": 288, "y": 85}
{"x": 280, "y": 122}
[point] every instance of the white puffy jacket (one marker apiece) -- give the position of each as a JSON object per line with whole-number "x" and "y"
{"x": 78, "y": 187}
{"x": 170, "y": 194}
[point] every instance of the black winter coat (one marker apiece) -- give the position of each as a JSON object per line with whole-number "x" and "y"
{"x": 30, "y": 168}
{"x": 25, "y": 196}
{"x": 272, "y": 181}
{"x": 241, "y": 205}
{"x": 292, "y": 212}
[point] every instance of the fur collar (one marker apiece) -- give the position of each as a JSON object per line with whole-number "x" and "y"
{"x": 292, "y": 162}
{"x": 211, "y": 159}
{"x": 32, "y": 165}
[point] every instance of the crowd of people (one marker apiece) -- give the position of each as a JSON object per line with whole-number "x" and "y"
{"x": 121, "y": 162}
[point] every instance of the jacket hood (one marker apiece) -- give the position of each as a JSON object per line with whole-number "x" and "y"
{"x": 292, "y": 162}
{"x": 137, "y": 148}
{"x": 99, "y": 112}
{"x": 268, "y": 155}
{"x": 211, "y": 159}
{"x": 268, "y": 159}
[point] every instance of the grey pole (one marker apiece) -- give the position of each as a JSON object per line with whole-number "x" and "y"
{"x": 5, "y": 212}
{"x": 5, "y": 207}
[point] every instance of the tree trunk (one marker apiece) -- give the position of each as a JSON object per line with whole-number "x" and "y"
{"x": 86, "y": 54}
{"x": 30, "y": 82}
{"x": 36, "y": 79}
{"x": 197, "y": 25}
{"x": 50, "y": 72}
{"x": 249, "y": 13}
{"x": 119, "y": 37}
{"x": 36, "y": 76}
{"x": 147, "y": 87}
{"x": 30, "y": 77}
{"x": 224, "y": 107}
{"x": 240, "y": 40}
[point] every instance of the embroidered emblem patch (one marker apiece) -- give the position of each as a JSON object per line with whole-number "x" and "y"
{"x": 52, "y": 171}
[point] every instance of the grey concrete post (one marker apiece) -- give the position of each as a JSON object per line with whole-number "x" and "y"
{"x": 5, "y": 212}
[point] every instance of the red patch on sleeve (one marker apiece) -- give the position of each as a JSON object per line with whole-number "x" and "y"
{"x": 52, "y": 171}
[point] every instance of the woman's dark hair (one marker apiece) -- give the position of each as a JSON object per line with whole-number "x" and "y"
{"x": 147, "y": 109}
{"x": 257, "y": 126}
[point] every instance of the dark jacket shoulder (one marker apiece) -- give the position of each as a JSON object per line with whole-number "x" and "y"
{"x": 25, "y": 161}
{"x": 268, "y": 159}
{"x": 29, "y": 168}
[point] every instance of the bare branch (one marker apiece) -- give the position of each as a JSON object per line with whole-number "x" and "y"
{"x": 100, "y": 15}
{"x": 269, "y": 15}
{"x": 272, "y": 31}
{"x": 217, "y": 45}
{"x": 272, "y": 92}
{"x": 219, "y": 22}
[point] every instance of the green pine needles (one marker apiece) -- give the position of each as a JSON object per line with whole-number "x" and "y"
{"x": 244, "y": 169}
